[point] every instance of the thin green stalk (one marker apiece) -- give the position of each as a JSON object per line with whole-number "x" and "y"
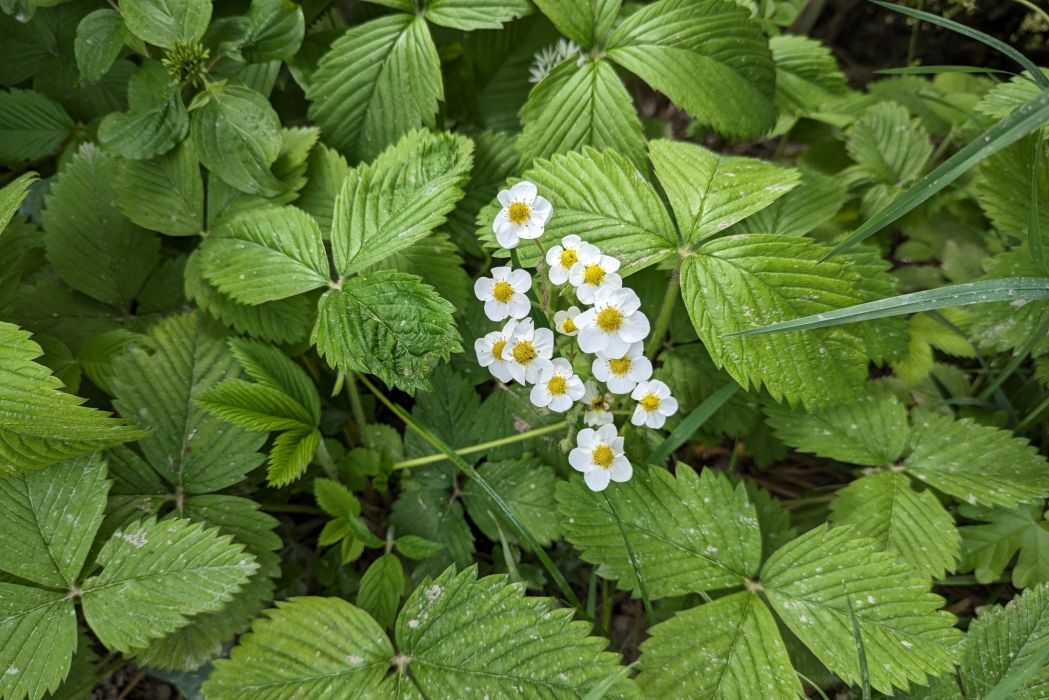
{"x": 482, "y": 446}
{"x": 649, "y": 615}
{"x": 865, "y": 678}
{"x": 665, "y": 309}
{"x": 467, "y": 469}
{"x": 325, "y": 460}
{"x": 357, "y": 408}
{"x": 1029, "y": 418}
{"x": 1018, "y": 358}
{"x": 1034, "y": 232}
{"x": 1035, "y": 9}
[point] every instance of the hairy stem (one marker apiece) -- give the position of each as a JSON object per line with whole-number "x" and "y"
{"x": 665, "y": 309}
{"x": 483, "y": 446}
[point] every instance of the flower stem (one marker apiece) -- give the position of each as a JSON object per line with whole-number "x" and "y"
{"x": 665, "y": 310}
{"x": 482, "y": 446}
{"x": 357, "y": 408}
{"x": 324, "y": 457}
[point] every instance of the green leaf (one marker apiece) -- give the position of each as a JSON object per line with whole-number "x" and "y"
{"x": 37, "y": 640}
{"x": 187, "y": 446}
{"x": 12, "y": 195}
{"x": 93, "y": 246}
{"x": 388, "y": 324}
{"x": 813, "y": 202}
{"x": 693, "y": 533}
{"x": 425, "y": 508}
{"x": 527, "y": 486}
{"x": 415, "y": 547}
{"x": 291, "y": 454}
{"x": 691, "y": 423}
{"x": 976, "y": 463}
{"x": 165, "y": 23}
{"x": 379, "y": 81}
{"x": 238, "y": 137}
{"x": 99, "y": 39}
{"x": 381, "y": 589}
{"x": 908, "y": 523}
{"x": 155, "y": 575}
{"x": 469, "y": 15}
{"x": 49, "y": 518}
{"x": 255, "y": 406}
{"x": 577, "y": 106}
{"x": 741, "y": 281}
{"x": 709, "y": 192}
{"x": 1003, "y": 188}
{"x": 729, "y": 648}
{"x": 39, "y": 423}
{"x": 585, "y": 22}
{"x": 1002, "y": 640}
{"x": 335, "y": 499}
{"x": 270, "y": 367}
{"x": 872, "y": 431}
{"x": 887, "y": 146}
{"x": 157, "y": 119}
{"x": 305, "y": 647}
{"x": 32, "y": 126}
{"x": 989, "y": 547}
{"x": 602, "y": 198}
{"x": 1000, "y": 101}
{"x": 710, "y": 58}
{"x": 810, "y": 581}
{"x": 807, "y": 75}
{"x": 438, "y": 262}
{"x": 398, "y": 199}
{"x": 324, "y": 177}
{"x": 265, "y": 255}
{"x": 165, "y": 193}
{"x": 275, "y": 31}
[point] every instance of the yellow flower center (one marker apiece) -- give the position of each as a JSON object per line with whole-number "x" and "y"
{"x": 557, "y": 386}
{"x": 524, "y": 352}
{"x": 610, "y": 319}
{"x": 619, "y": 366}
{"x": 593, "y": 274}
{"x": 568, "y": 325}
{"x": 503, "y": 291}
{"x": 568, "y": 257}
{"x": 497, "y": 349}
{"x": 519, "y": 213}
{"x": 649, "y": 402}
{"x": 603, "y": 456}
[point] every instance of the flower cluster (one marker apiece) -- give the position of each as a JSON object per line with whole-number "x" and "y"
{"x": 607, "y": 324}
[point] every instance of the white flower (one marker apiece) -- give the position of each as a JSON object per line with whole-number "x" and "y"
{"x": 528, "y": 351}
{"x": 600, "y": 457}
{"x": 503, "y": 293}
{"x": 557, "y": 386}
{"x": 622, "y": 374}
{"x": 613, "y": 324}
{"x": 597, "y": 404}
{"x": 592, "y": 272}
{"x": 490, "y": 353}
{"x": 654, "y": 404}
{"x": 524, "y": 214}
{"x": 564, "y": 321}
{"x": 549, "y": 58}
{"x": 561, "y": 258}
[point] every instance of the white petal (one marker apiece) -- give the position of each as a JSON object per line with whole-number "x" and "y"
{"x": 560, "y": 404}
{"x": 558, "y": 274}
{"x": 585, "y": 293}
{"x": 609, "y": 263}
{"x": 640, "y": 390}
{"x": 520, "y": 280}
{"x": 579, "y": 458}
{"x": 592, "y": 339}
{"x": 596, "y": 479}
{"x": 639, "y": 416}
{"x": 615, "y": 346}
{"x": 501, "y": 371}
{"x": 620, "y": 385}
{"x": 523, "y": 191}
{"x": 586, "y": 438}
{"x": 635, "y": 328}
{"x": 504, "y": 198}
{"x": 600, "y": 369}
{"x": 607, "y": 434}
{"x": 655, "y": 420}
{"x": 571, "y": 241}
{"x": 516, "y": 371}
{"x": 640, "y": 369}
{"x": 507, "y": 236}
{"x": 540, "y": 396}
{"x": 575, "y": 275}
{"x": 541, "y": 211}
{"x": 561, "y": 366}
{"x": 544, "y": 342}
{"x": 483, "y": 288}
{"x": 519, "y": 306}
{"x": 553, "y": 256}
{"x": 627, "y": 300}
{"x": 621, "y": 470}
{"x": 586, "y": 319}
{"x": 668, "y": 406}
{"x": 495, "y": 310}
{"x": 530, "y": 229}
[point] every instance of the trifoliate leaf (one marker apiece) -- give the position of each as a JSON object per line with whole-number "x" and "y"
{"x": 872, "y": 431}
{"x": 31, "y": 126}
{"x": 155, "y": 575}
{"x": 811, "y": 583}
{"x": 732, "y": 284}
{"x": 585, "y": 22}
{"x": 187, "y": 446}
{"x": 976, "y": 463}
{"x": 93, "y": 246}
{"x": 48, "y": 519}
{"x": 165, "y": 23}
{"x": 398, "y": 199}
{"x": 1002, "y": 641}
{"x": 469, "y": 15}
{"x": 807, "y": 76}
{"x": 238, "y": 137}
{"x": 265, "y": 255}
{"x": 814, "y": 201}
{"x": 379, "y": 81}
{"x": 527, "y": 486}
{"x": 729, "y": 648}
{"x": 438, "y": 262}
{"x": 99, "y": 38}
{"x": 157, "y": 119}
{"x": 577, "y": 106}
{"x": 909, "y": 523}
{"x": 989, "y": 548}
{"x": 388, "y": 324}
{"x": 709, "y": 192}
{"x": 678, "y": 47}
{"x": 690, "y": 533}
{"x": 602, "y": 198}
{"x": 275, "y": 31}
{"x": 12, "y": 195}
{"x": 39, "y": 423}
{"x": 887, "y": 146}
{"x": 165, "y": 193}
{"x": 37, "y": 640}
{"x": 382, "y": 586}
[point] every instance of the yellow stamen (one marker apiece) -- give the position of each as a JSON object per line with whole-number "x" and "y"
{"x": 557, "y": 386}
{"x": 593, "y": 274}
{"x": 609, "y": 319}
{"x": 503, "y": 291}
{"x": 519, "y": 213}
{"x": 599, "y": 404}
{"x": 568, "y": 326}
{"x": 649, "y": 402}
{"x": 619, "y": 366}
{"x": 603, "y": 456}
{"x": 568, "y": 257}
{"x": 497, "y": 349}
{"x": 524, "y": 352}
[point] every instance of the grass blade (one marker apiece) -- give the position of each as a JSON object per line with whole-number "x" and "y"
{"x": 979, "y": 36}
{"x": 1034, "y": 228}
{"x": 1006, "y": 289}
{"x": 1020, "y": 123}
{"x": 691, "y": 423}
{"x": 865, "y": 677}
{"x": 600, "y": 690}
{"x": 936, "y": 70}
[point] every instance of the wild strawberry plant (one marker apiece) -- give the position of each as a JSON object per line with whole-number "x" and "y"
{"x": 738, "y": 421}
